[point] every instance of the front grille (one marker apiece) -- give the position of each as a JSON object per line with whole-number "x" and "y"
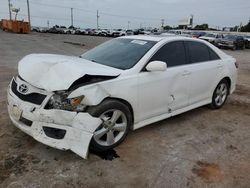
{"x": 35, "y": 98}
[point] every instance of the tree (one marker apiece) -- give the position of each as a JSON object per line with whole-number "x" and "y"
{"x": 167, "y": 27}
{"x": 246, "y": 28}
{"x": 201, "y": 27}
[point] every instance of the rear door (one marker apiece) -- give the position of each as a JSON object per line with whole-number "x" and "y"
{"x": 205, "y": 67}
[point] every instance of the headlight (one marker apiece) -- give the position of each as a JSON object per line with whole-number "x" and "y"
{"x": 60, "y": 101}
{"x": 76, "y": 101}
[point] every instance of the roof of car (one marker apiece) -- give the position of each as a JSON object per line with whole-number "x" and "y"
{"x": 155, "y": 38}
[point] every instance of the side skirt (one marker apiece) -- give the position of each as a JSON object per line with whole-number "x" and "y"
{"x": 168, "y": 115}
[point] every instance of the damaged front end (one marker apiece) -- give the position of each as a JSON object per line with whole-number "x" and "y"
{"x": 57, "y": 120}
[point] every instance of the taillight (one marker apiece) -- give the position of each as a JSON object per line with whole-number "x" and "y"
{"x": 236, "y": 65}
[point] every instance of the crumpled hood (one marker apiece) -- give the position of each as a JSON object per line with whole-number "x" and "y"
{"x": 58, "y": 72}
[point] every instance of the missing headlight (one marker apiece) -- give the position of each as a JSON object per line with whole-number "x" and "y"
{"x": 60, "y": 101}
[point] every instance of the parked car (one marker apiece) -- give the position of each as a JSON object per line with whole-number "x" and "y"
{"x": 104, "y": 32}
{"x": 35, "y": 29}
{"x": 97, "y": 32}
{"x": 247, "y": 41}
{"x": 211, "y": 37}
{"x": 54, "y": 30}
{"x": 90, "y": 31}
{"x": 231, "y": 41}
{"x": 63, "y": 30}
{"x": 126, "y": 83}
{"x": 168, "y": 34}
{"x": 129, "y": 32}
{"x": 197, "y": 34}
{"x": 43, "y": 29}
{"x": 119, "y": 33}
{"x": 141, "y": 32}
{"x": 186, "y": 33}
{"x": 111, "y": 33}
{"x": 80, "y": 31}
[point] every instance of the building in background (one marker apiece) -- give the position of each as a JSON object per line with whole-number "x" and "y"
{"x": 186, "y": 23}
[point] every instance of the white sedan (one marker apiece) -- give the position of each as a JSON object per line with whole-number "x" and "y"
{"x": 73, "y": 103}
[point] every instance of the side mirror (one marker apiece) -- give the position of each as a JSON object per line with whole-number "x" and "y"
{"x": 156, "y": 66}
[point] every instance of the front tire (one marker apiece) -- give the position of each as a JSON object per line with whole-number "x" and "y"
{"x": 220, "y": 95}
{"x": 117, "y": 120}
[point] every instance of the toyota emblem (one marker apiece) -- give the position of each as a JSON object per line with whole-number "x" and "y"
{"x": 23, "y": 88}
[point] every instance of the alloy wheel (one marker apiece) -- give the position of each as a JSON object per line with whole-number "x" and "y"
{"x": 112, "y": 129}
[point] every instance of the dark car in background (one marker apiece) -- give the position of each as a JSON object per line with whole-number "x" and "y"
{"x": 247, "y": 41}
{"x": 233, "y": 42}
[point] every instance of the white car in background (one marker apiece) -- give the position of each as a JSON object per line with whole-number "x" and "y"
{"x": 211, "y": 37}
{"x": 73, "y": 103}
{"x": 168, "y": 34}
{"x": 119, "y": 33}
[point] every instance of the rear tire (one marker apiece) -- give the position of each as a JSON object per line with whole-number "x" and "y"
{"x": 220, "y": 95}
{"x": 117, "y": 120}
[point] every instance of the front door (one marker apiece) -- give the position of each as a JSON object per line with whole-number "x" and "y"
{"x": 163, "y": 92}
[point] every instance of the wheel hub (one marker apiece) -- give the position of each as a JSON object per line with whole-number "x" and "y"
{"x": 112, "y": 129}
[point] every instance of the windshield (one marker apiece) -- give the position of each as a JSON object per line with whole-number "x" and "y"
{"x": 210, "y": 35}
{"x": 230, "y": 37}
{"x": 119, "y": 53}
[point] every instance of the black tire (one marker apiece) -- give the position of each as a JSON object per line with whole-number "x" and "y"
{"x": 97, "y": 111}
{"x": 234, "y": 47}
{"x": 214, "y": 104}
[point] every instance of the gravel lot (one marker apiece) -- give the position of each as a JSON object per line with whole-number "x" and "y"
{"x": 200, "y": 148}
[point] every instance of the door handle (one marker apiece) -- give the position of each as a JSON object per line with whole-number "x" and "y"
{"x": 186, "y": 73}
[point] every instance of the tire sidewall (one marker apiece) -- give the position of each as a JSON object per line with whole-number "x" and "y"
{"x": 213, "y": 104}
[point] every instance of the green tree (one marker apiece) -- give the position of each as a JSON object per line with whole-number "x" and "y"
{"x": 201, "y": 27}
{"x": 246, "y": 28}
{"x": 167, "y": 27}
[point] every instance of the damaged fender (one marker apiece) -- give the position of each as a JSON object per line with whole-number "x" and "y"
{"x": 93, "y": 94}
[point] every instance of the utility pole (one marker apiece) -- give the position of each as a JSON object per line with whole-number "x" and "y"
{"x": 10, "y": 10}
{"x": 128, "y": 24}
{"x": 162, "y": 23}
{"x": 28, "y": 7}
{"x": 72, "y": 18}
{"x": 48, "y": 23}
{"x": 97, "y": 17}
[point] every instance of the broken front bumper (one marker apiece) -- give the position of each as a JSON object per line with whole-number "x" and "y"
{"x": 56, "y": 128}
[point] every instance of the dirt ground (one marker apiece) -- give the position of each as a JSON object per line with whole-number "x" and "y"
{"x": 200, "y": 148}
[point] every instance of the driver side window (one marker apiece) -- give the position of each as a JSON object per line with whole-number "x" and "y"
{"x": 172, "y": 53}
